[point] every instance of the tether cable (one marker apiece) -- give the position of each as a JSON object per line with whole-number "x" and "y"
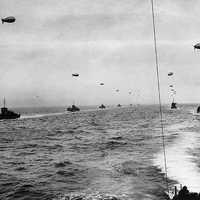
{"x": 159, "y": 93}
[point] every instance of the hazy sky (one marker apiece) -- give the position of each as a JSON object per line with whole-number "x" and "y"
{"x": 106, "y": 41}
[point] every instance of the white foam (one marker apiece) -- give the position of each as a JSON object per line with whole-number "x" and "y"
{"x": 40, "y": 115}
{"x": 180, "y": 164}
{"x": 182, "y": 125}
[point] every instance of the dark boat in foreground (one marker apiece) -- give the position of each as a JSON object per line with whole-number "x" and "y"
{"x": 73, "y": 108}
{"x": 102, "y": 106}
{"x": 7, "y": 114}
{"x": 185, "y": 194}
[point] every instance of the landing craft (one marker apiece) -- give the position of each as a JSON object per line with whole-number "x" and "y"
{"x": 75, "y": 74}
{"x": 8, "y": 19}
{"x": 101, "y": 83}
{"x": 7, "y": 114}
{"x": 130, "y": 92}
{"x": 170, "y": 73}
{"x": 197, "y": 46}
{"x": 102, "y": 106}
{"x": 117, "y": 90}
{"x": 73, "y": 108}
{"x": 171, "y": 86}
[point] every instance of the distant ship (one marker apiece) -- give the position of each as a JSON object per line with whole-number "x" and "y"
{"x": 197, "y": 113}
{"x": 73, "y": 108}
{"x": 173, "y": 105}
{"x": 102, "y": 106}
{"x": 7, "y": 114}
{"x": 119, "y": 105}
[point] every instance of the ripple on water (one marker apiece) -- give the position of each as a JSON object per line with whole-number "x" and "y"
{"x": 28, "y": 191}
{"x": 95, "y": 196}
{"x": 62, "y": 164}
{"x": 105, "y": 154}
{"x": 113, "y": 144}
{"x": 20, "y": 168}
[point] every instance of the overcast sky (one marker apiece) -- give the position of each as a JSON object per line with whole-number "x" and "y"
{"x": 106, "y": 41}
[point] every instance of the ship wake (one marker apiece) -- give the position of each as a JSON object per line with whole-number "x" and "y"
{"x": 181, "y": 165}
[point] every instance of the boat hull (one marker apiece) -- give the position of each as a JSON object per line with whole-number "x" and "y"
{"x": 73, "y": 109}
{"x": 14, "y": 116}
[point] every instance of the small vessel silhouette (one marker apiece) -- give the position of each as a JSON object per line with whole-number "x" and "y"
{"x": 173, "y": 105}
{"x": 102, "y": 106}
{"x": 198, "y": 109}
{"x": 197, "y": 113}
{"x": 7, "y": 114}
{"x": 119, "y": 105}
{"x": 73, "y": 108}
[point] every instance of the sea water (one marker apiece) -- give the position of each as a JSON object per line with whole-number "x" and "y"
{"x": 114, "y": 153}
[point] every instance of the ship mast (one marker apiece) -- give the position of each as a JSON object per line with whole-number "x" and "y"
{"x": 4, "y": 102}
{"x": 159, "y": 92}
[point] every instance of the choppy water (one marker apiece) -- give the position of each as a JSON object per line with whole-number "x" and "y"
{"x": 97, "y": 154}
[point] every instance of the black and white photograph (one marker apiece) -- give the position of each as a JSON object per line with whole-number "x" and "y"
{"x": 99, "y": 100}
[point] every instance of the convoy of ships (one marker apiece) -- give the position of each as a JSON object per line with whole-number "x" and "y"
{"x": 183, "y": 194}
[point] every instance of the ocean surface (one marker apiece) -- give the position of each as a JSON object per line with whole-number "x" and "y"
{"x": 109, "y": 154}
